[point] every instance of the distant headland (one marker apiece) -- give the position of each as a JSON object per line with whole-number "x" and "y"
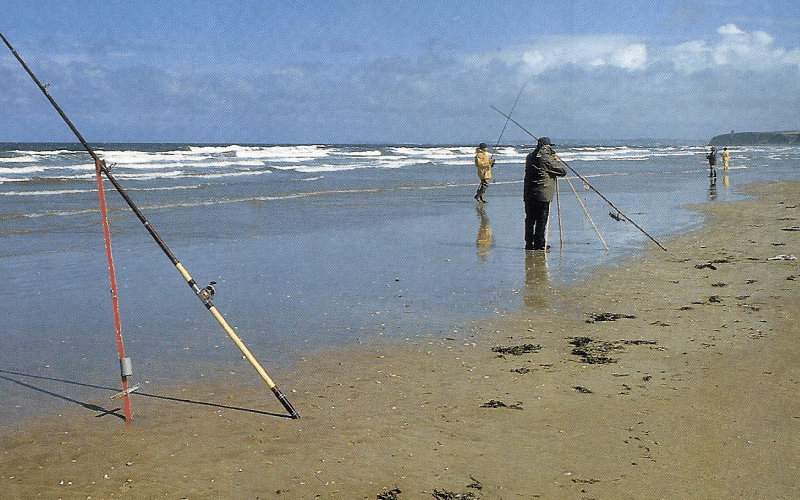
{"x": 756, "y": 138}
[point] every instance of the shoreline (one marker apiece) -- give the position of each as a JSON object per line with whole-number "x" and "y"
{"x": 670, "y": 375}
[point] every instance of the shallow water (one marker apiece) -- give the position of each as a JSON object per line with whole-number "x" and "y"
{"x": 310, "y": 246}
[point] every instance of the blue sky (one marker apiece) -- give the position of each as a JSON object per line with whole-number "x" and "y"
{"x": 398, "y": 72}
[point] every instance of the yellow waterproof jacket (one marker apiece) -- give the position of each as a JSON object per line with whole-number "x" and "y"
{"x": 483, "y": 164}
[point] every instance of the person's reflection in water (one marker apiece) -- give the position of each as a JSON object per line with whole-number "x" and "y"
{"x": 484, "y": 239}
{"x": 536, "y": 279}
{"x": 712, "y": 188}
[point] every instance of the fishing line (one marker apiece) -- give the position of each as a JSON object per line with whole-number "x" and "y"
{"x": 506, "y": 123}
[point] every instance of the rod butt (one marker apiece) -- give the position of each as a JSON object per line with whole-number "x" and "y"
{"x": 285, "y": 402}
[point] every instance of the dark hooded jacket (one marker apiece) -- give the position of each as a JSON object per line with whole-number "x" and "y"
{"x": 542, "y": 166}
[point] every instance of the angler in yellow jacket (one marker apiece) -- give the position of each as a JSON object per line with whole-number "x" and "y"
{"x": 726, "y": 159}
{"x": 484, "y": 166}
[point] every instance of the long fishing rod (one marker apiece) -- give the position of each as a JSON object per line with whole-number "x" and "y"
{"x": 506, "y": 123}
{"x": 587, "y": 183}
{"x": 203, "y": 294}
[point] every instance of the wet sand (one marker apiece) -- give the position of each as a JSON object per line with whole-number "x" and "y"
{"x": 672, "y": 375}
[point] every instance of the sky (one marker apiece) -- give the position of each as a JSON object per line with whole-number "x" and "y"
{"x": 377, "y": 72}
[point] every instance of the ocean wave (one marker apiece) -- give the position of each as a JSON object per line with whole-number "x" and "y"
{"x": 147, "y": 166}
{"x": 324, "y": 167}
{"x": 21, "y": 170}
{"x": 367, "y": 154}
{"x": 187, "y": 165}
{"x": 49, "y": 152}
{"x": 436, "y": 153}
{"x": 400, "y": 162}
{"x": 55, "y": 192}
{"x": 280, "y": 153}
{"x": 222, "y": 175}
{"x": 19, "y": 159}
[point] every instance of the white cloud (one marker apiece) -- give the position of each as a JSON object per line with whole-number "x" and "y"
{"x": 587, "y": 52}
{"x": 733, "y": 48}
{"x": 730, "y": 47}
{"x": 631, "y": 57}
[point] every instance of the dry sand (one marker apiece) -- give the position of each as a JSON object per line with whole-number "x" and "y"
{"x": 673, "y": 375}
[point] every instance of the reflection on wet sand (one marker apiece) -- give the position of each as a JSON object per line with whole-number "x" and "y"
{"x": 712, "y": 188}
{"x": 536, "y": 279}
{"x": 484, "y": 239}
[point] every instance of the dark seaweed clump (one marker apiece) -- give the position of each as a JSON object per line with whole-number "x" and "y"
{"x": 517, "y": 350}
{"x": 389, "y": 495}
{"x": 449, "y": 495}
{"x": 494, "y": 403}
{"x": 467, "y": 495}
{"x": 591, "y": 352}
{"x": 595, "y": 352}
{"x": 605, "y": 316}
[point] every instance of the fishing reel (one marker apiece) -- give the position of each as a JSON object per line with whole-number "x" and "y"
{"x": 207, "y": 292}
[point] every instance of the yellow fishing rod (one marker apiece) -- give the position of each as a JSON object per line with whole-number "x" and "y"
{"x": 203, "y": 294}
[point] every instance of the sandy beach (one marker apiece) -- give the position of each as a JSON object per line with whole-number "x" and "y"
{"x": 671, "y": 375}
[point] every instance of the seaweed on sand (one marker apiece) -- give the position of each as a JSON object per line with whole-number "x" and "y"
{"x": 494, "y": 403}
{"x": 517, "y": 350}
{"x": 591, "y": 352}
{"x": 606, "y": 316}
{"x": 449, "y": 495}
{"x": 595, "y": 352}
{"x": 467, "y": 495}
{"x": 389, "y": 495}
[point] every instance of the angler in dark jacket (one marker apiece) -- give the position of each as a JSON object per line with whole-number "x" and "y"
{"x": 542, "y": 167}
{"x": 712, "y": 162}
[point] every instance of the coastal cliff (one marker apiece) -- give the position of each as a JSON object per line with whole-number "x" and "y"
{"x": 756, "y": 138}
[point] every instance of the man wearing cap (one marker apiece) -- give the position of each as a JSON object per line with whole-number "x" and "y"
{"x": 542, "y": 166}
{"x": 484, "y": 166}
{"x": 712, "y": 162}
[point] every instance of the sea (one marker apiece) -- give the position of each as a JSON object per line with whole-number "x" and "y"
{"x": 310, "y": 247}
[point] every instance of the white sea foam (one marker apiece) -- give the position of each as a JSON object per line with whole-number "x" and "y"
{"x": 144, "y": 157}
{"x": 223, "y": 175}
{"x": 324, "y": 167}
{"x": 19, "y": 159}
{"x": 52, "y": 152}
{"x": 283, "y": 153}
{"x": 604, "y": 154}
{"x": 367, "y": 154}
{"x": 54, "y": 192}
{"x": 195, "y": 164}
{"x": 21, "y": 171}
{"x": 171, "y": 174}
{"x": 213, "y": 149}
{"x": 409, "y": 151}
{"x": 400, "y": 162}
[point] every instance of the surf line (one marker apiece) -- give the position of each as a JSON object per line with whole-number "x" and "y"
{"x": 619, "y": 212}
{"x": 205, "y": 294}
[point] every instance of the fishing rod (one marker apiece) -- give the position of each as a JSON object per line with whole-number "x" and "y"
{"x": 619, "y": 212}
{"x": 506, "y": 123}
{"x": 205, "y": 294}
